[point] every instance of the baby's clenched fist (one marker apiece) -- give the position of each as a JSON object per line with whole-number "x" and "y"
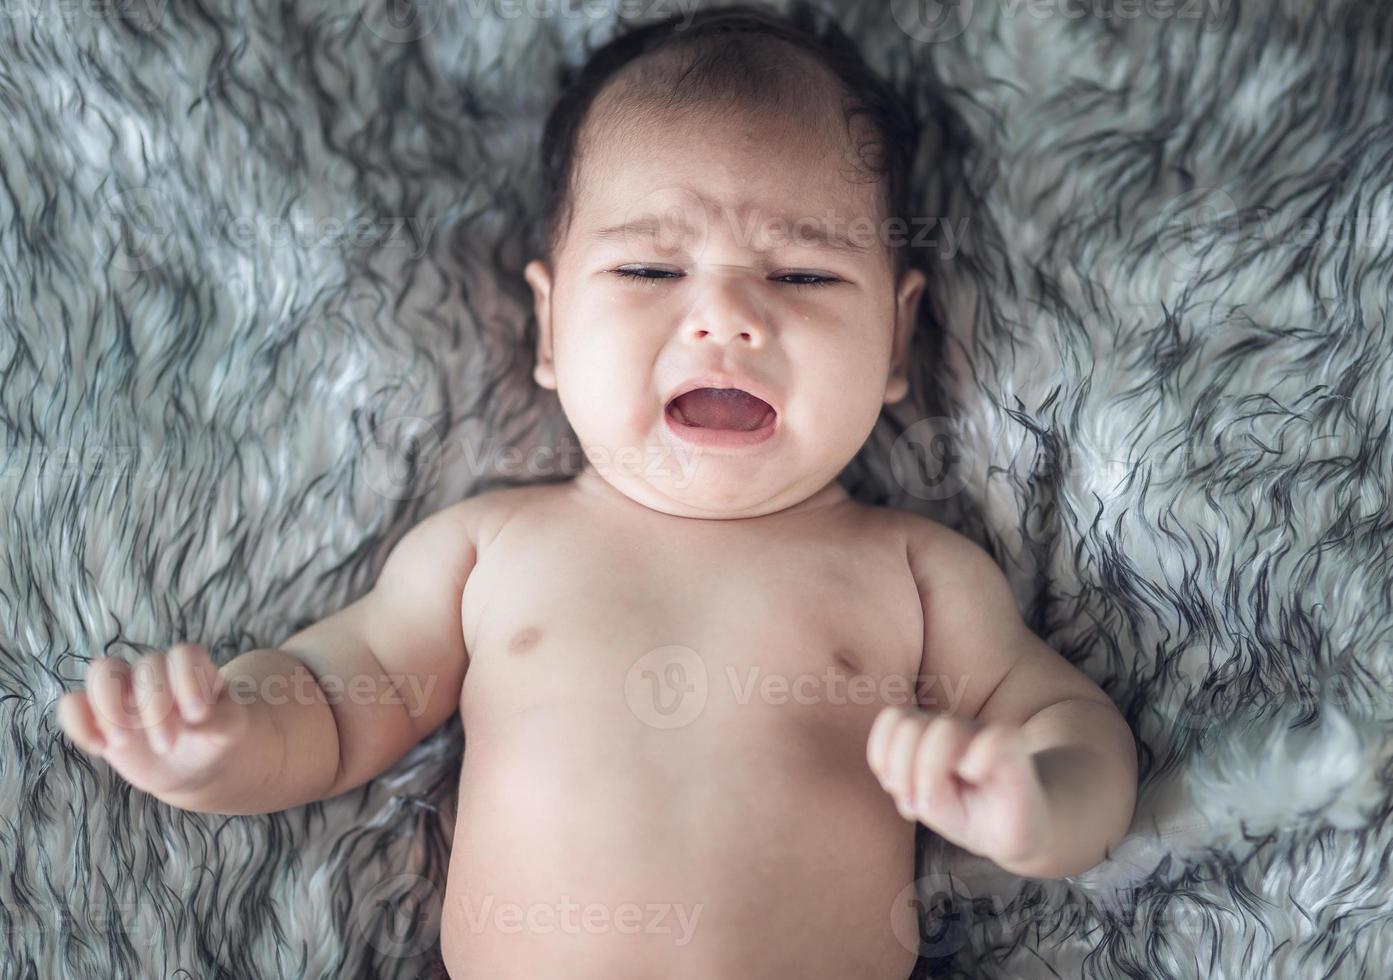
{"x": 975, "y": 784}
{"x": 165, "y": 724}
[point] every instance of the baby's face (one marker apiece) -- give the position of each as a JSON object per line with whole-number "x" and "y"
{"x": 704, "y": 251}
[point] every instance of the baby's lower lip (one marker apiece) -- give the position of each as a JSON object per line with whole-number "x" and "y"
{"x": 719, "y": 438}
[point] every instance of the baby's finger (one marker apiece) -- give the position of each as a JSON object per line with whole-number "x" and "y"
{"x": 879, "y": 737}
{"x": 108, "y": 681}
{"x": 899, "y": 754}
{"x": 195, "y": 680}
{"x": 75, "y": 718}
{"x": 154, "y": 701}
{"x": 939, "y": 751}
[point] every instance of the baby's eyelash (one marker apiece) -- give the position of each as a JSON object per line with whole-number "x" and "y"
{"x": 640, "y": 275}
{"x": 651, "y": 277}
{"x": 820, "y": 280}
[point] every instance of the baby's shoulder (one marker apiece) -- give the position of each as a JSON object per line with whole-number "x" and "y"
{"x": 932, "y": 548}
{"x": 485, "y": 513}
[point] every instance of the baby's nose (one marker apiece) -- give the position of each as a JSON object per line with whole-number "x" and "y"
{"x": 726, "y": 314}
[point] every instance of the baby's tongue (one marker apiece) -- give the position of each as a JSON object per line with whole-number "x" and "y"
{"x": 722, "y": 408}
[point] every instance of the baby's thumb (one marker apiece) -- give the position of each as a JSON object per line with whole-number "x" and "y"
{"x": 195, "y": 680}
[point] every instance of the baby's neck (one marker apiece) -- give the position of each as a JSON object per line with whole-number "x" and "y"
{"x": 592, "y": 484}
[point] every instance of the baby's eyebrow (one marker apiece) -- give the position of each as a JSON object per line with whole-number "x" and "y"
{"x": 806, "y": 231}
{"x": 643, "y": 227}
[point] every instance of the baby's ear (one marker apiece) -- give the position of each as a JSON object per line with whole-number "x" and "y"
{"x": 538, "y": 276}
{"x": 907, "y": 295}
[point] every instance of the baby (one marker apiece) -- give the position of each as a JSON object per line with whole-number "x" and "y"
{"x": 706, "y": 694}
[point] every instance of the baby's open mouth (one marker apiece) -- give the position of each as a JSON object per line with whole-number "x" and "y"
{"x": 721, "y": 408}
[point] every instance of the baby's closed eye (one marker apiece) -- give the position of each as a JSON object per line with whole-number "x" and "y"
{"x": 649, "y": 275}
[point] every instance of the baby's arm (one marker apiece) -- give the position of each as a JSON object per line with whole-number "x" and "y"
{"x": 331, "y": 707}
{"x": 1033, "y": 755}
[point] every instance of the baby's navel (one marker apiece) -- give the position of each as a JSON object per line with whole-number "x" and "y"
{"x": 846, "y": 659}
{"x": 524, "y": 639}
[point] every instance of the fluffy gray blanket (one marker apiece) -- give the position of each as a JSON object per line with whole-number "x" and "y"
{"x": 262, "y": 311}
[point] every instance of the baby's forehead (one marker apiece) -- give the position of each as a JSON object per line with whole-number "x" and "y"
{"x": 814, "y": 144}
{"x": 746, "y": 174}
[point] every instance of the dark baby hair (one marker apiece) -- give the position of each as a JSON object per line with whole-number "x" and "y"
{"x": 733, "y": 51}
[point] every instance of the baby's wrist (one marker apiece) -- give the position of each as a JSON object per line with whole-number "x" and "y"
{"x": 1035, "y": 859}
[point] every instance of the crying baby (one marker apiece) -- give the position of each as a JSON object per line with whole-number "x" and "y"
{"x": 706, "y": 695}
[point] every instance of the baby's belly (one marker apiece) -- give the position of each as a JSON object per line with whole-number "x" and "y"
{"x": 749, "y": 841}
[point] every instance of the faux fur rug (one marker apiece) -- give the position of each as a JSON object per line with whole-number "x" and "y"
{"x": 262, "y": 311}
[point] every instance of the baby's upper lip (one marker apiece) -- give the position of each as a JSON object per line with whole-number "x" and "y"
{"x": 723, "y": 381}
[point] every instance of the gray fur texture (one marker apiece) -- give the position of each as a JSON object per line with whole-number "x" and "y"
{"x": 261, "y": 311}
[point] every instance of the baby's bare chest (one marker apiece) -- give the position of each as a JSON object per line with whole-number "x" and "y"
{"x": 816, "y": 613}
